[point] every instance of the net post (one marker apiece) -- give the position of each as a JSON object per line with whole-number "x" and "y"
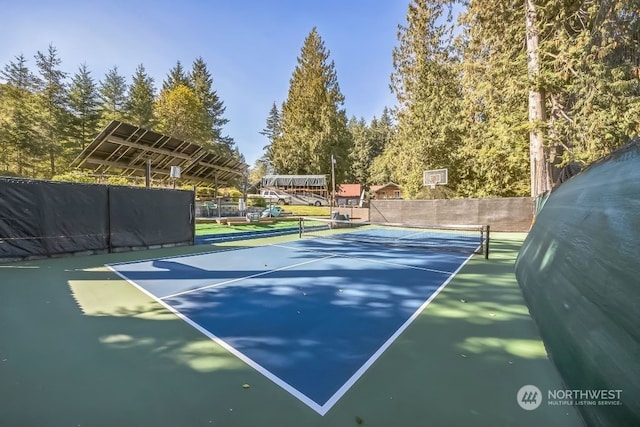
{"x": 300, "y": 227}
{"x": 486, "y": 247}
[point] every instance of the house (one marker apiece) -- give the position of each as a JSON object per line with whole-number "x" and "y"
{"x": 390, "y": 190}
{"x": 348, "y": 194}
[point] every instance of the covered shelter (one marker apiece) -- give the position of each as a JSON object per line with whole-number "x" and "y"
{"x": 129, "y": 151}
{"x": 316, "y": 184}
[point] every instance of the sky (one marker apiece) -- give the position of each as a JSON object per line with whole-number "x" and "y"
{"x": 250, "y": 47}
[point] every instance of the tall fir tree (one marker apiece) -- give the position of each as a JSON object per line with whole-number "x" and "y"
{"x": 176, "y": 77}
{"x": 202, "y": 83}
{"x": 272, "y": 130}
{"x": 113, "y": 96}
{"x": 382, "y": 130}
{"x": 54, "y": 114}
{"x": 360, "y": 153}
{"x": 19, "y": 141}
{"x": 590, "y": 66}
{"x": 84, "y": 102}
{"x": 314, "y": 124}
{"x": 495, "y": 151}
{"x": 425, "y": 80}
{"x": 382, "y": 135}
{"x": 141, "y": 97}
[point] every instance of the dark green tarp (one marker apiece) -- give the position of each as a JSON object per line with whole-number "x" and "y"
{"x": 579, "y": 269}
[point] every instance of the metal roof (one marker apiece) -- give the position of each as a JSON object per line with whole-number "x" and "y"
{"x": 294, "y": 180}
{"x": 123, "y": 149}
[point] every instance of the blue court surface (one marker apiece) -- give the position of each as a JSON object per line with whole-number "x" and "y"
{"x": 312, "y": 315}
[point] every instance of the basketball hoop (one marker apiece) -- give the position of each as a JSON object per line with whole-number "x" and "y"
{"x": 431, "y": 178}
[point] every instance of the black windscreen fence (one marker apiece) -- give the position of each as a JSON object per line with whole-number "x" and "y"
{"x": 43, "y": 218}
{"x": 145, "y": 217}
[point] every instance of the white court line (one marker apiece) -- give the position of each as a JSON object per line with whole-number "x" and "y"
{"x": 320, "y": 409}
{"x": 246, "y": 359}
{"x": 355, "y": 377}
{"x": 395, "y": 264}
{"x": 213, "y": 285}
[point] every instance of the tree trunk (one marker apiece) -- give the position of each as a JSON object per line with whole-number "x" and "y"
{"x": 540, "y": 173}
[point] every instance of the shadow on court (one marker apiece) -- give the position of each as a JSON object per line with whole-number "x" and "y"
{"x": 80, "y": 346}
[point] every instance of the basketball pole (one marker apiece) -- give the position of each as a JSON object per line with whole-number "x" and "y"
{"x": 333, "y": 180}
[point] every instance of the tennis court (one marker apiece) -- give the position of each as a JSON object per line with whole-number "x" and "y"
{"x": 311, "y": 315}
{"x": 366, "y": 326}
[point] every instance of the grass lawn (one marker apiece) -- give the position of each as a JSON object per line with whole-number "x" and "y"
{"x": 203, "y": 229}
{"x": 214, "y": 228}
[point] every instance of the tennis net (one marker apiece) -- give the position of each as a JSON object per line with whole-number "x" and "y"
{"x": 455, "y": 238}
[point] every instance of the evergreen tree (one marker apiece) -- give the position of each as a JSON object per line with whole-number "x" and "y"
{"x": 202, "y": 84}
{"x": 360, "y": 154}
{"x": 84, "y": 102}
{"x": 382, "y": 130}
{"x": 314, "y": 125}
{"x": 19, "y": 139}
{"x": 53, "y": 95}
{"x": 175, "y": 78}
{"x": 272, "y": 131}
{"x": 590, "y": 57}
{"x": 113, "y": 96}
{"x": 496, "y": 149}
{"x": 139, "y": 103}
{"x": 381, "y": 134}
{"x": 426, "y": 83}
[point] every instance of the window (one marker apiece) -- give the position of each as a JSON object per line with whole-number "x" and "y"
{"x": 396, "y": 194}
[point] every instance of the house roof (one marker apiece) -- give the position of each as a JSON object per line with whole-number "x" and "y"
{"x": 349, "y": 190}
{"x": 376, "y": 188}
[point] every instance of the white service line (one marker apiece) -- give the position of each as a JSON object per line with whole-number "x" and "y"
{"x": 395, "y": 264}
{"x": 213, "y": 285}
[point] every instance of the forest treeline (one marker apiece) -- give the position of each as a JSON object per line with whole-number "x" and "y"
{"x": 465, "y": 75}
{"x": 47, "y": 117}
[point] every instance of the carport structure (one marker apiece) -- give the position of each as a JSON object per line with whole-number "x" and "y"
{"x": 129, "y": 151}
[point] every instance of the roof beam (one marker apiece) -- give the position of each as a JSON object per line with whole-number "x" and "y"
{"x": 143, "y": 169}
{"x": 120, "y": 141}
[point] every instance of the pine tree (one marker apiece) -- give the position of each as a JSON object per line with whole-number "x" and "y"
{"x": 113, "y": 96}
{"x": 314, "y": 125}
{"x": 272, "y": 131}
{"x": 426, "y": 83}
{"x": 53, "y": 95}
{"x": 360, "y": 154}
{"x": 590, "y": 64}
{"x": 139, "y": 104}
{"x": 19, "y": 140}
{"x": 84, "y": 102}
{"x": 382, "y": 135}
{"x": 202, "y": 83}
{"x": 175, "y": 78}
{"x": 495, "y": 151}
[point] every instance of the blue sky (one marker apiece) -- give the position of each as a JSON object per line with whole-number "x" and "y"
{"x": 250, "y": 46}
